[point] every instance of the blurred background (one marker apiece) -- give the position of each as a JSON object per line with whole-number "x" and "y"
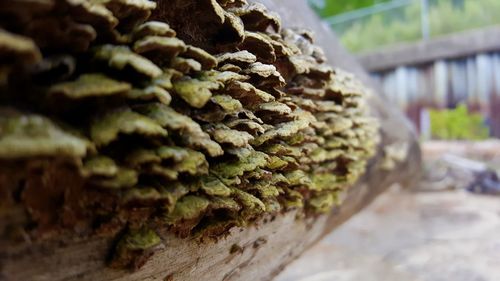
{"x": 439, "y": 62}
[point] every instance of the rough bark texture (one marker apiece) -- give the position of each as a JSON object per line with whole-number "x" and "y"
{"x": 254, "y": 253}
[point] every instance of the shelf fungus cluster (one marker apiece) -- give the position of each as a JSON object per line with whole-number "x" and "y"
{"x": 119, "y": 118}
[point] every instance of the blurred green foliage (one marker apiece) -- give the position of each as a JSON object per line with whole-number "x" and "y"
{"x": 404, "y": 24}
{"x": 335, "y": 7}
{"x": 457, "y": 124}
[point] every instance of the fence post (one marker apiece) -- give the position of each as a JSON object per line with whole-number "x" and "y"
{"x": 425, "y": 19}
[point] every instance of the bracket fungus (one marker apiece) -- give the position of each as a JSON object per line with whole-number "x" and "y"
{"x": 188, "y": 116}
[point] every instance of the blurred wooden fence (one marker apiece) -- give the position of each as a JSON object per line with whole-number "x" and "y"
{"x": 443, "y": 73}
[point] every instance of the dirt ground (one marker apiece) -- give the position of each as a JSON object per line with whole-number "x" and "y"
{"x": 445, "y": 235}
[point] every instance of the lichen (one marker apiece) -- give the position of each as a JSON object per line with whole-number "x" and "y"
{"x": 123, "y": 121}
{"x": 24, "y": 136}
{"x": 227, "y": 103}
{"x": 90, "y": 85}
{"x": 100, "y": 166}
{"x": 124, "y": 178}
{"x": 254, "y": 160}
{"x": 213, "y": 186}
{"x": 119, "y": 57}
{"x": 224, "y": 135}
{"x": 167, "y": 46}
{"x": 134, "y": 248}
{"x": 195, "y": 92}
{"x": 189, "y": 207}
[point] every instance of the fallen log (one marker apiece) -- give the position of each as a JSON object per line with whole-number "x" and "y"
{"x": 257, "y": 251}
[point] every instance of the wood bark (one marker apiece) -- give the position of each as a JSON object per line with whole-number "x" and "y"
{"x": 257, "y": 252}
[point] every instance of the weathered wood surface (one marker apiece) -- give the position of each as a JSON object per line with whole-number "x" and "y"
{"x": 447, "y": 47}
{"x": 266, "y": 247}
